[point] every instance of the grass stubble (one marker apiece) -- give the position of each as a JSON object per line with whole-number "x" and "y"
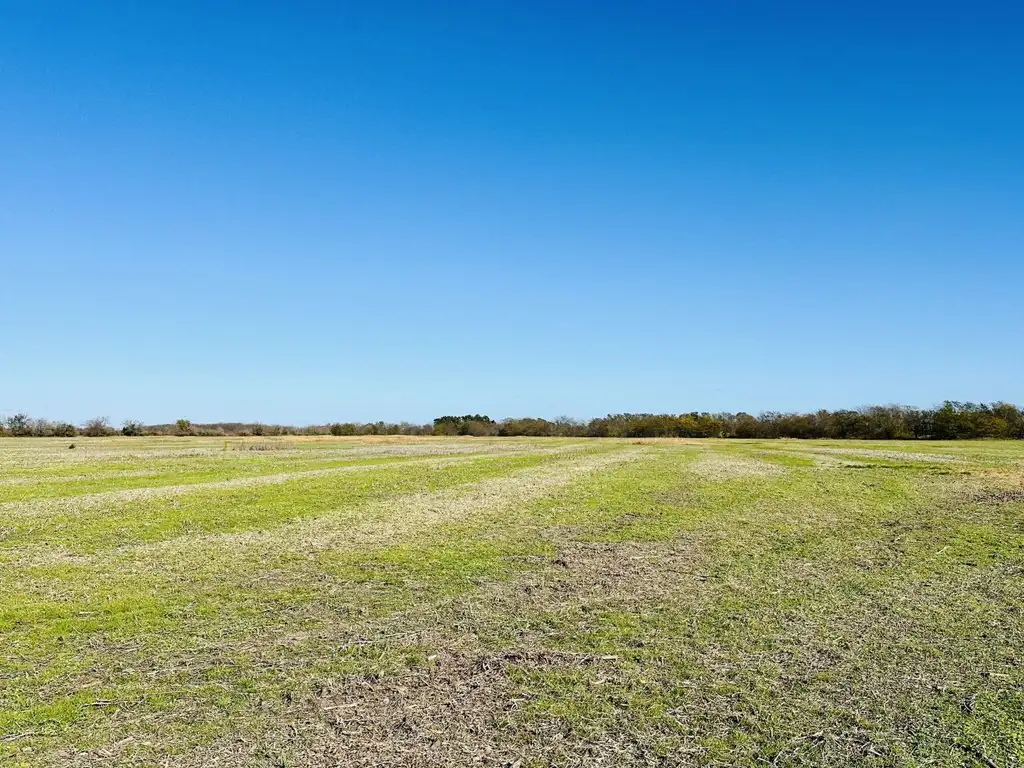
{"x": 601, "y": 603}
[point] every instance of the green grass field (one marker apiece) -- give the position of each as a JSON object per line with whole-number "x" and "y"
{"x": 514, "y": 602}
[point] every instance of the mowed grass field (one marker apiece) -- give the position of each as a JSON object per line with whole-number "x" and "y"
{"x": 513, "y": 602}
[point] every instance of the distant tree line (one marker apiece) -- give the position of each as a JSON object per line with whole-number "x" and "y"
{"x": 950, "y": 421}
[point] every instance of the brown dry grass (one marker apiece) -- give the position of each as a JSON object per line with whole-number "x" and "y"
{"x": 721, "y": 467}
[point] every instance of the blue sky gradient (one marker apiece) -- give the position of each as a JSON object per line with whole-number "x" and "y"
{"x": 309, "y": 212}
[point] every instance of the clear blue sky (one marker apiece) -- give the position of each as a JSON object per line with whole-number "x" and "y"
{"x": 301, "y": 212}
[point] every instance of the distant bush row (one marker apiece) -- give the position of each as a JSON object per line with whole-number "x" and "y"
{"x": 950, "y": 421}
{"x": 22, "y": 425}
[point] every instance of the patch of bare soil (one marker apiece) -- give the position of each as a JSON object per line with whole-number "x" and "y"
{"x": 450, "y": 713}
{"x": 461, "y": 707}
{"x": 992, "y": 486}
{"x": 996, "y": 495}
{"x": 460, "y": 710}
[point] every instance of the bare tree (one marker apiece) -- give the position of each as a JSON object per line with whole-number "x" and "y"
{"x": 98, "y": 427}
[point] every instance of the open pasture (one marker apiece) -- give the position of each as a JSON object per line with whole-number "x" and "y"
{"x": 510, "y": 602}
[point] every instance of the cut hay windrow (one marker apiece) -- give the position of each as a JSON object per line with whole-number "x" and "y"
{"x": 722, "y": 466}
{"x": 99, "y": 500}
{"x": 366, "y": 524}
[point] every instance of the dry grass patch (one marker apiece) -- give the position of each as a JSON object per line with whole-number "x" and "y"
{"x": 718, "y": 467}
{"x": 104, "y": 499}
{"x": 889, "y": 455}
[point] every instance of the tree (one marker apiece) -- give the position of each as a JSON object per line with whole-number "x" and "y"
{"x": 63, "y": 429}
{"x": 745, "y": 426}
{"x": 184, "y": 427}
{"x": 471, "y": 424}
{"x": 19, "y": 425}
{"x": 98, "y": 427}
{"x": 1010, "y": 420}
{"x": 566, "y": 426}
{"x": 131, "y": 428}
